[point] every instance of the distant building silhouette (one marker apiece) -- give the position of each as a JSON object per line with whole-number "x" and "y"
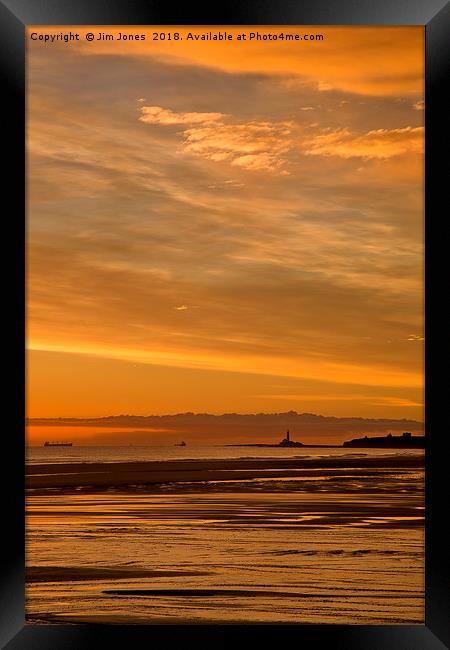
{"x": 287, "y": 442}
{"x": 406, "y": 440}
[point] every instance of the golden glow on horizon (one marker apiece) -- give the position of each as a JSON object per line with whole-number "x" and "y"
{"x": 314, "y": 369}
{"x": 92, "y": 435}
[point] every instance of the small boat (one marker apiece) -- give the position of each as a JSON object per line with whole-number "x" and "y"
{"x": 49, "y": 443}
{"x": 181, "y": 444}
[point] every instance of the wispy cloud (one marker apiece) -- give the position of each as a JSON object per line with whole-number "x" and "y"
{"x": 255, "y": 145}
{"x": 366, "y": 60}
{"x": 378, "y": 143}
{"x": 265, "y": 145}
{"x": 158, "y": 115}
{"x": 416, "y": 337}
{"x": 382, "y": 400}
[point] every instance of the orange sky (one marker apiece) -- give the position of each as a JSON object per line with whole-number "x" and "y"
{"x": 218, "y": 226}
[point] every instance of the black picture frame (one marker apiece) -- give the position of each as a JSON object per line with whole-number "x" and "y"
{"x": 434, "y": 15}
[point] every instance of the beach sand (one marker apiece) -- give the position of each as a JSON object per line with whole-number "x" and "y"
{"x": 105, "y": 475}
{"x": 229, "y": 542}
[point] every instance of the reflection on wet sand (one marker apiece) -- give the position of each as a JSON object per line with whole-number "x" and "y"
{"x": 340, "y": 548}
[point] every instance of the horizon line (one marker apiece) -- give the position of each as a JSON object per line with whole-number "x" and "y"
{"x": 226, "y": 413}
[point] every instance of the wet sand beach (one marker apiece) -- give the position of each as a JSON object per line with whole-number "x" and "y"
{"x": 330, "y": 540}
{"x": 104, "y": 475}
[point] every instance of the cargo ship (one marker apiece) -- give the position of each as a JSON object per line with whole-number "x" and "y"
{"x": 48, "y": 443}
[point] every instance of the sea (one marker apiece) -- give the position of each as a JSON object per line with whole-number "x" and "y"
{"x": 135, "y": 453}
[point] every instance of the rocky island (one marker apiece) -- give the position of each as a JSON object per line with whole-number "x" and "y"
{"x": 405, "y": 441}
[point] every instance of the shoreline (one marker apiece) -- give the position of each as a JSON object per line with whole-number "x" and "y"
{"x": 293, "y": 446}
{"x": 121, "y": 474}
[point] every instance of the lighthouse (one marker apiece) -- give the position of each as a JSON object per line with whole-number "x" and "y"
{"x": 287, "y": 442}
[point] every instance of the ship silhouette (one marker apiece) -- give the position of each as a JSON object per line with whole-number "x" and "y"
{"x": 51, "y": 443}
